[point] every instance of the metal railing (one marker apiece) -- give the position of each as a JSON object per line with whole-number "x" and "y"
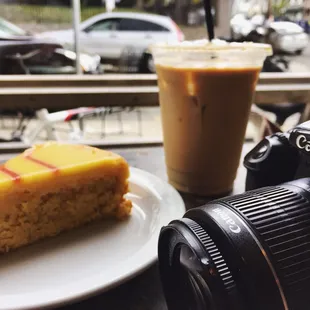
{"x": 65, "y": 92}
{"x": 128, "y": 90}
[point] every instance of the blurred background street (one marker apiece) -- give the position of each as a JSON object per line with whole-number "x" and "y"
{"x": 38, "y": 37}
{"x": 300, "y": 63}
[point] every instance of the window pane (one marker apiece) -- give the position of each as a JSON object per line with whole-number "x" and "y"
{"x": 154, "y": 27}
{"x": 105, "y": 25}
{"x": 128, "y": 24}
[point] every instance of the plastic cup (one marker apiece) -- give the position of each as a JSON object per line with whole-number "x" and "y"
{"x": 206, "y": 91}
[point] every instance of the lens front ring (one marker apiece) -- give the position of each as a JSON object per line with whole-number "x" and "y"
{"x": 208, "y": 275}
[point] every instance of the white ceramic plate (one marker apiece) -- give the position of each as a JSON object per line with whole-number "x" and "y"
{"x": 92, "y": 259}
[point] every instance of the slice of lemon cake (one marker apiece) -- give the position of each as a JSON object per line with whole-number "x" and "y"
{"x": 54, "y": 187}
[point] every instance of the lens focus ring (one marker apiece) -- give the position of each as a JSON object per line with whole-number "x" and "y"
{"x": 281, "y": 219}
{"x": 215, "y": 255}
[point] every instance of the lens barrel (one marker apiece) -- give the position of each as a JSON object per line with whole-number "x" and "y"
{"x": 250, "y": 251}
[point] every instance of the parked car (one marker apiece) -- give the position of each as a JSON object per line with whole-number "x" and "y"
{"x": 284, "y": 36}
{"x": 287, "y": 37}
{"x": 62, "y": 61}
{"x": 22, "y": 53}
{"x": 109, "y": 34}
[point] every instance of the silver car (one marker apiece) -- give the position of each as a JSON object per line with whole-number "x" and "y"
{"x": 288, "y": 37}
{"x": 116, "y": 35}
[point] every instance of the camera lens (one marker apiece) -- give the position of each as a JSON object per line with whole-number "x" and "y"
{"x": 250, "y": 251}
{"x": 199, "y": 294}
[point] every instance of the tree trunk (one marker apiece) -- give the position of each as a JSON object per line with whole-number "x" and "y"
{"x": 269, "y": 10}
{"x": 139, "y": 4}
{"x": 178, "y": 11}
{"x": 181, "y": 10}
{"x": 158, "y": 6}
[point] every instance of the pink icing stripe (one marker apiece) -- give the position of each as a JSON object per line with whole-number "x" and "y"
{"x": 12, "y": 174}
{"x": 42, "y": 163}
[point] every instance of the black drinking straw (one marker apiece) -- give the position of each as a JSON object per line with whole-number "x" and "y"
{"x": 209, "y": 19}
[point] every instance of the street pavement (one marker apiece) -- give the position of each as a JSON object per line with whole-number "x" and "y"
{"x": 300, "y": 63}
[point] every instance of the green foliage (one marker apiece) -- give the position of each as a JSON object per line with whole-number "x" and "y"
{"x": 47, "y": 14}
{"x": 279, "y": 7}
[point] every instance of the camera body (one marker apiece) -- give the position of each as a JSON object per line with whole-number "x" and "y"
{"x": 249, "y": 251}
{"x": 279, "y": 158}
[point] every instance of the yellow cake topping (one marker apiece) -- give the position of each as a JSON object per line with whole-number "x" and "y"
{"x": 44, "y": 160}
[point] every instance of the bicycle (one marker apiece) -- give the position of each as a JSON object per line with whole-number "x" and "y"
{"x": 47, "y": 122}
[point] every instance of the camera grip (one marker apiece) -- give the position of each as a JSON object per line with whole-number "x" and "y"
{"x": 273, "y": 161}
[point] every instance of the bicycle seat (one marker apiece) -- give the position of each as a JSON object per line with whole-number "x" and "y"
{"x": 283, "y": 111}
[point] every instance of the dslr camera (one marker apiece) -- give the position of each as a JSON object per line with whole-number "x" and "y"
{"x": 249, "y": 251}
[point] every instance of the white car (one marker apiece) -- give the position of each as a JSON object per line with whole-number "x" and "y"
{"x": 288, "y": 37}
{"x": 285, "y": 36}
{"x": 110, "y": 34}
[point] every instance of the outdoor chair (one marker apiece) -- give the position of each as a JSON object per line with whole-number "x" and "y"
{"x": 283, "y": 111}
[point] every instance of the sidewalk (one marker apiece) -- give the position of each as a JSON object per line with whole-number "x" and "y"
{"x": 298, "y": 66}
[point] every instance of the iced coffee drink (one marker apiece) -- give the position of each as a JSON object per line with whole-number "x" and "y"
{"x": 206, "y": 91}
